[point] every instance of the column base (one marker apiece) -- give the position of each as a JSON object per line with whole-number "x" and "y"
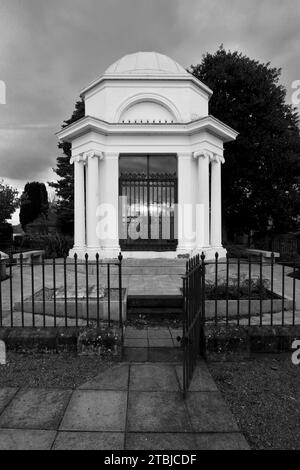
{"x": 210, "y": 252}
{"x": 185, "y": 250}
{"x": 104, "y": 252}
{"x": 80, "y": 251}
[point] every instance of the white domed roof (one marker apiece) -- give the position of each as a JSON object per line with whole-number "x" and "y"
{"x": 146, "y": 63}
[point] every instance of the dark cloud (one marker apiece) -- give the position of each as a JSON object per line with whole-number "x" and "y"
{"x": 51, "y": 49}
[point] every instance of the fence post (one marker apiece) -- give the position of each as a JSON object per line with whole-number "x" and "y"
{"x": 272, "y": 285}
{"x": 65, "y": 291}
{"x": 43, "y": 291}
{"x": 120, "y": 257}
{"x": 87, "y": 288}
{"x": 227, "y": 287}
{"x": 294, "y": 293}
{"x": 216, "y": 288}
{"x": 22, "y": 288}
{"x": 32, "y": 292}
{"x": 260, "y": 289}
{"x": 11, "y": 294}
{"x": 0, "y": 295}
{"x": 97, "y": 282}
{"x": 238, "y": 289}
{"x": 54, "y": 288}
{"x": 203, "y": 317}
{"x": 249, "y": 289}
{"x": 283, "y": 292}
{"x": 76, "y": 289}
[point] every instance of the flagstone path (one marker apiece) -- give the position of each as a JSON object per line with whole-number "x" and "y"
{"x": 133, "y": 405}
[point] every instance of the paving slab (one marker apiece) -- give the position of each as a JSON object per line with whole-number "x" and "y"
{"x": 158, "y": 332}
{"x": 35, "y": 409}
{"x": 114, "y": 378}
{"x": 6, "y": 394}
{"x": 26, "y": 439}
{"x": 158, "y": 441}
{"x": 96, "y": 410}
{"x": 136, "y": 342}
{"x": 89, "y": 441}
{"x": 221, "y": 441}
{"x": 202, "y": 380}
{"x": 165, "y": 354}
{"x": 176, "y": 343}
{"x": 175, "y": 332}
{"x": 209, "y": 412}
{"x": 157, "y": 412}
{"x": 153, "y": 377}
{"x": 161, "y": 342}
{"x": 135, "y": 354}
{"x": 135, "y": 333}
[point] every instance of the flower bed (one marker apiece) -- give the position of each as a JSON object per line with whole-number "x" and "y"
{"x": 100, "y": 342}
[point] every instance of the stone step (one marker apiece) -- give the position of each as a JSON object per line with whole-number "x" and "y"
{"x": 164, "y": 306}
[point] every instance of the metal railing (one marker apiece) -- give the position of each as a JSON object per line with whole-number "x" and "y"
{"x": 240, "y": 292}
{"x": 193, "y": 319}
{"x": 251, "y": 292}
{"x": 61, "y": 292}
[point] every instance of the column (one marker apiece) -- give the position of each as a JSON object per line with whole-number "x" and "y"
{"x": 185, "y": 214}
{"x": 108, "y": 228}
{"x": 216, "y": 201}
{"x": 92, "y": 188}
{"x": 79, "y": 206}
{"x": 202, "y": 214}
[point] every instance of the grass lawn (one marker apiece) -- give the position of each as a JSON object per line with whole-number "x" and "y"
{"x": 264, "y": 396}
{"x": 53, "y": 370}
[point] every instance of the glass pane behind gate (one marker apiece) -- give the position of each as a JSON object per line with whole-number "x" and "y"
{"x": 150, "y": 185}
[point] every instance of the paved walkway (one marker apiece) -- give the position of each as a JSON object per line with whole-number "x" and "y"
{"x": 133, "y": 405}
{"x": 130, "y": 406}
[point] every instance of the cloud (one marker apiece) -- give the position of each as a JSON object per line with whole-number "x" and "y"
{"x": 50, "y": 50}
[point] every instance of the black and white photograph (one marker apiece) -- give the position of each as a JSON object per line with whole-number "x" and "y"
{"x": 150, "y": 228}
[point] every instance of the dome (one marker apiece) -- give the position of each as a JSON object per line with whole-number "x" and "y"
{"x": 146, "y": 63}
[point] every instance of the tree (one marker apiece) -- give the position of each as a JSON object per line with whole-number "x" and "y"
{"x": 34, "y": 203}
{"x": 9, "y": 201}
{"x": 64, "y": 187}
{"x": 260, "y": 178}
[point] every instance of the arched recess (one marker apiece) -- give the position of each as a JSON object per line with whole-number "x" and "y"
{"x": 144, "y": 98}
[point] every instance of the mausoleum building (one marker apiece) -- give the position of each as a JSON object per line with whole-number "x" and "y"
{"x": 147, "y": 163}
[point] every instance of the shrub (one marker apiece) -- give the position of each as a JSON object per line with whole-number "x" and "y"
{"x": 6, "y": 236}
{"x": 53, "y": 245}
{"x": 234, "y": 290}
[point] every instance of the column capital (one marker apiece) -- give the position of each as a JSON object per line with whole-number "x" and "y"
{"x": 84, "y": 156}
{"x": 213, "y": 157}
{"x": 202, "y": 154}
{"x": 76, "y": 159}
{"x": 217, "y": 158}
{"x": 93, "y": 154}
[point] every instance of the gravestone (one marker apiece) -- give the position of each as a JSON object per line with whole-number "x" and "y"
{"x": 3, "y": 261}
{"x": 2, "y": 353}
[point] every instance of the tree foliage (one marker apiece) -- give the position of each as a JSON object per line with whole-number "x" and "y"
{"x": 64, "y": 187}
{"x": 260, "y": 178}
{"x": 34, "y": 203}
{"x": 9, "y": 201}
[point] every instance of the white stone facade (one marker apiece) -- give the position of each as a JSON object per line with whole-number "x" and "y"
{"x": 147, "y": 104}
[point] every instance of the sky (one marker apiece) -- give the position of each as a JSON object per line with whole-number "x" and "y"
{"x": 49, "y": 50}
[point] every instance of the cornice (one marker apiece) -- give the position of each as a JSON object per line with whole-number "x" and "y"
{"x": 89, "y": 124}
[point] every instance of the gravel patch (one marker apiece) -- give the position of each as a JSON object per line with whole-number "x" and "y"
{"x": 57, "y": 370}
{"x": 264, "y": 396}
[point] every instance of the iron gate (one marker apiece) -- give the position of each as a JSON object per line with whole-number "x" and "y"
{"x": 194, "y": 317}
{"x": 150, "y": 206}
